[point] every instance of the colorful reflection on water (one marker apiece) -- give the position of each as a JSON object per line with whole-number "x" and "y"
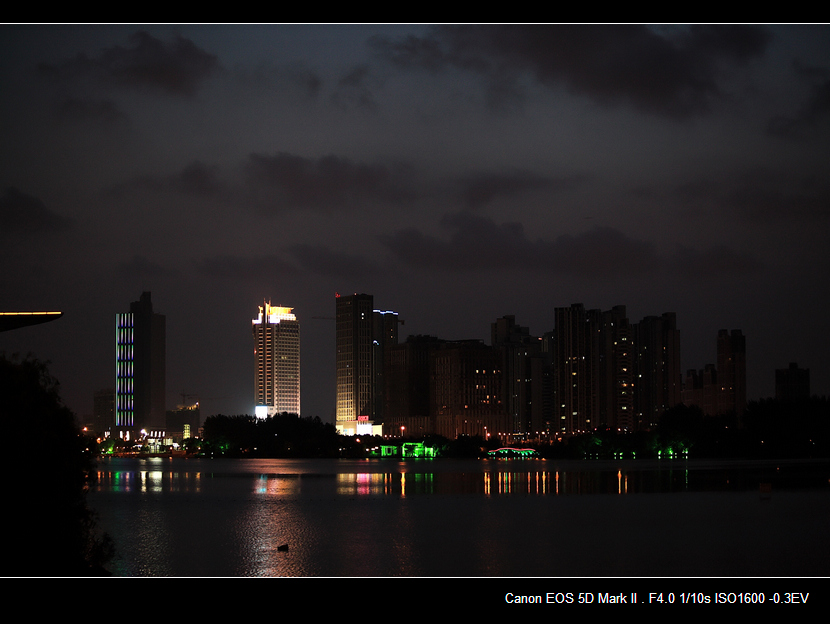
{"x": 462, "y": 518}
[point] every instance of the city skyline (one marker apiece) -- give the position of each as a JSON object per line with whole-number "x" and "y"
{"x": 457, "y": 173}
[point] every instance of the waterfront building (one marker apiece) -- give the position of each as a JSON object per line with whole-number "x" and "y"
{"x": 720, "y": 389}
{"x": 140, "y": 370}
{"x": 276, "y": 332}
{"x": 609, "y": 373}
{"x": 792, "y": 383}
{"x": 574, "y": 345}
{"x": 103, "y": 412}
{"x": 616, "y": 371}
{"x": 657, "y": 369}
{"x": 731, "y": 372}
{"x": 526, "y": 383}
{"x": 363, "y": 334}
{"x": 466, "y": 390}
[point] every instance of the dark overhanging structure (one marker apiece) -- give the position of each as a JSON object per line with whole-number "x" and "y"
{"x": 16, "y": 320}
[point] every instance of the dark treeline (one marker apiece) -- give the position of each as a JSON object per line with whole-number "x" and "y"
{"x": 768, "y": 429}
{"x": 51, "y": 531}
{"x": 286, "y": 435}
{"x": 283, "y": 435}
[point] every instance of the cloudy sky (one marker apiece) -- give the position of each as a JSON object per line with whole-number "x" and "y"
{"x": 457, "y": 173}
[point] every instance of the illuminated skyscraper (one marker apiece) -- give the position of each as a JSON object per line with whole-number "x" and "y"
{"x": 355, "y": 330}
{"x": 140, "y": 368}
{"x": 277, "y": 353}
{"x": 362, "y": 336}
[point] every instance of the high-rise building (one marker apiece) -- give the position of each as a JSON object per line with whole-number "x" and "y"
{"x": 609, "y": 373}
{"x": 354, "y": 328}
{"x": 720, "y": 390}
{"x": 573, "y": 346}
{"x": 792, "y": 383}
{"x": 407, "y": 383}
{"x": 277, "y": 361}
{"x": 731, "y": 371}
{"x": 103, "y": 412}
{"x": 616, "y": 371}
{"x": 363, "y": 334}
{"x": 526, "y": 376}
{"x": 385, "y": 335}
{"x": 140, "y": 369}
{"x": 466, "y": 390}
{"x": 658, "y": 381}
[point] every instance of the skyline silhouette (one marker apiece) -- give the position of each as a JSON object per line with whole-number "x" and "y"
{"x": 457, "y": 173}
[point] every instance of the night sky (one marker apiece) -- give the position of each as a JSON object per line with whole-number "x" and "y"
{"x": 457, "y": 173}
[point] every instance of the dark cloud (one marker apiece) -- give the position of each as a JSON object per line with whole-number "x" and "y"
{"x": 329, "y": 182}
{"x": 306, "y": 79}
{"x": 814, "y": 110}
{"x": 177, "y": 67}
{"x": 353, "y": 90}
{"x": 141, "y": 268}
{"x": 760, "y": 196}
{"x": 479, "y": 244}
{"x": 763, "y": 204}
{"x": 322, "y": 260}
{"x": 714, "y": 263}
{"x": 199, "y": 179}
{"x": 245, "y": 269}
{"x": 480, "y": 189}
{"x": 295, "y": 78}
{"x": 22, "y": 214}
{"x": 81, "y": 110}
{"x": 672, "y": 72}
{"x": 196, "y": 179}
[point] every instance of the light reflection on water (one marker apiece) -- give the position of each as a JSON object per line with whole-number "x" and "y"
{"x": 463, "y": 518}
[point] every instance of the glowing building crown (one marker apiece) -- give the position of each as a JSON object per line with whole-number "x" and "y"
{"x": 274, "y": 314}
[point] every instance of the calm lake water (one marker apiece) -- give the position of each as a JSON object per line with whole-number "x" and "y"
{"x": 384, "y": 518}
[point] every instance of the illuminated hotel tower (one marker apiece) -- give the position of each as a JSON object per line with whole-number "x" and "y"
{"x": 277, "y": 352}
{"x": 140, "y": 345}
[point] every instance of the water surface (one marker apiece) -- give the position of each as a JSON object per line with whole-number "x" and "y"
{"x": 201, "y": 517}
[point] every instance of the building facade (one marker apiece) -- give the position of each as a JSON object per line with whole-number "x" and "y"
{"x": 354, "y": 357}
{"x": 466, "y": 392}
{"x": 792, "y": 383}
{"x": 656, "y": 359}
{"x": 276, "y": 333}
{"x": 731, "y": 371}
{"x": 720, "y": 390}
{"x": 140, "y": 369}
{"x": 363, "y": 335}
{"x": 526, "y": 371}
{"x": 574, "y": 345}
{"x": 609, "y": 373}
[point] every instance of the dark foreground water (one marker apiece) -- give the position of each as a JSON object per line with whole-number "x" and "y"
{"x": 343, "y": 518}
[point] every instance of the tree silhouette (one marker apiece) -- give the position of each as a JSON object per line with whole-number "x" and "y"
{"x": 50, "y": 529}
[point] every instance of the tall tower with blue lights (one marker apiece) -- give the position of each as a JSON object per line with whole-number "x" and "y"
{"x": 140, "y": 369}
{"x": 363, "y": 333}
